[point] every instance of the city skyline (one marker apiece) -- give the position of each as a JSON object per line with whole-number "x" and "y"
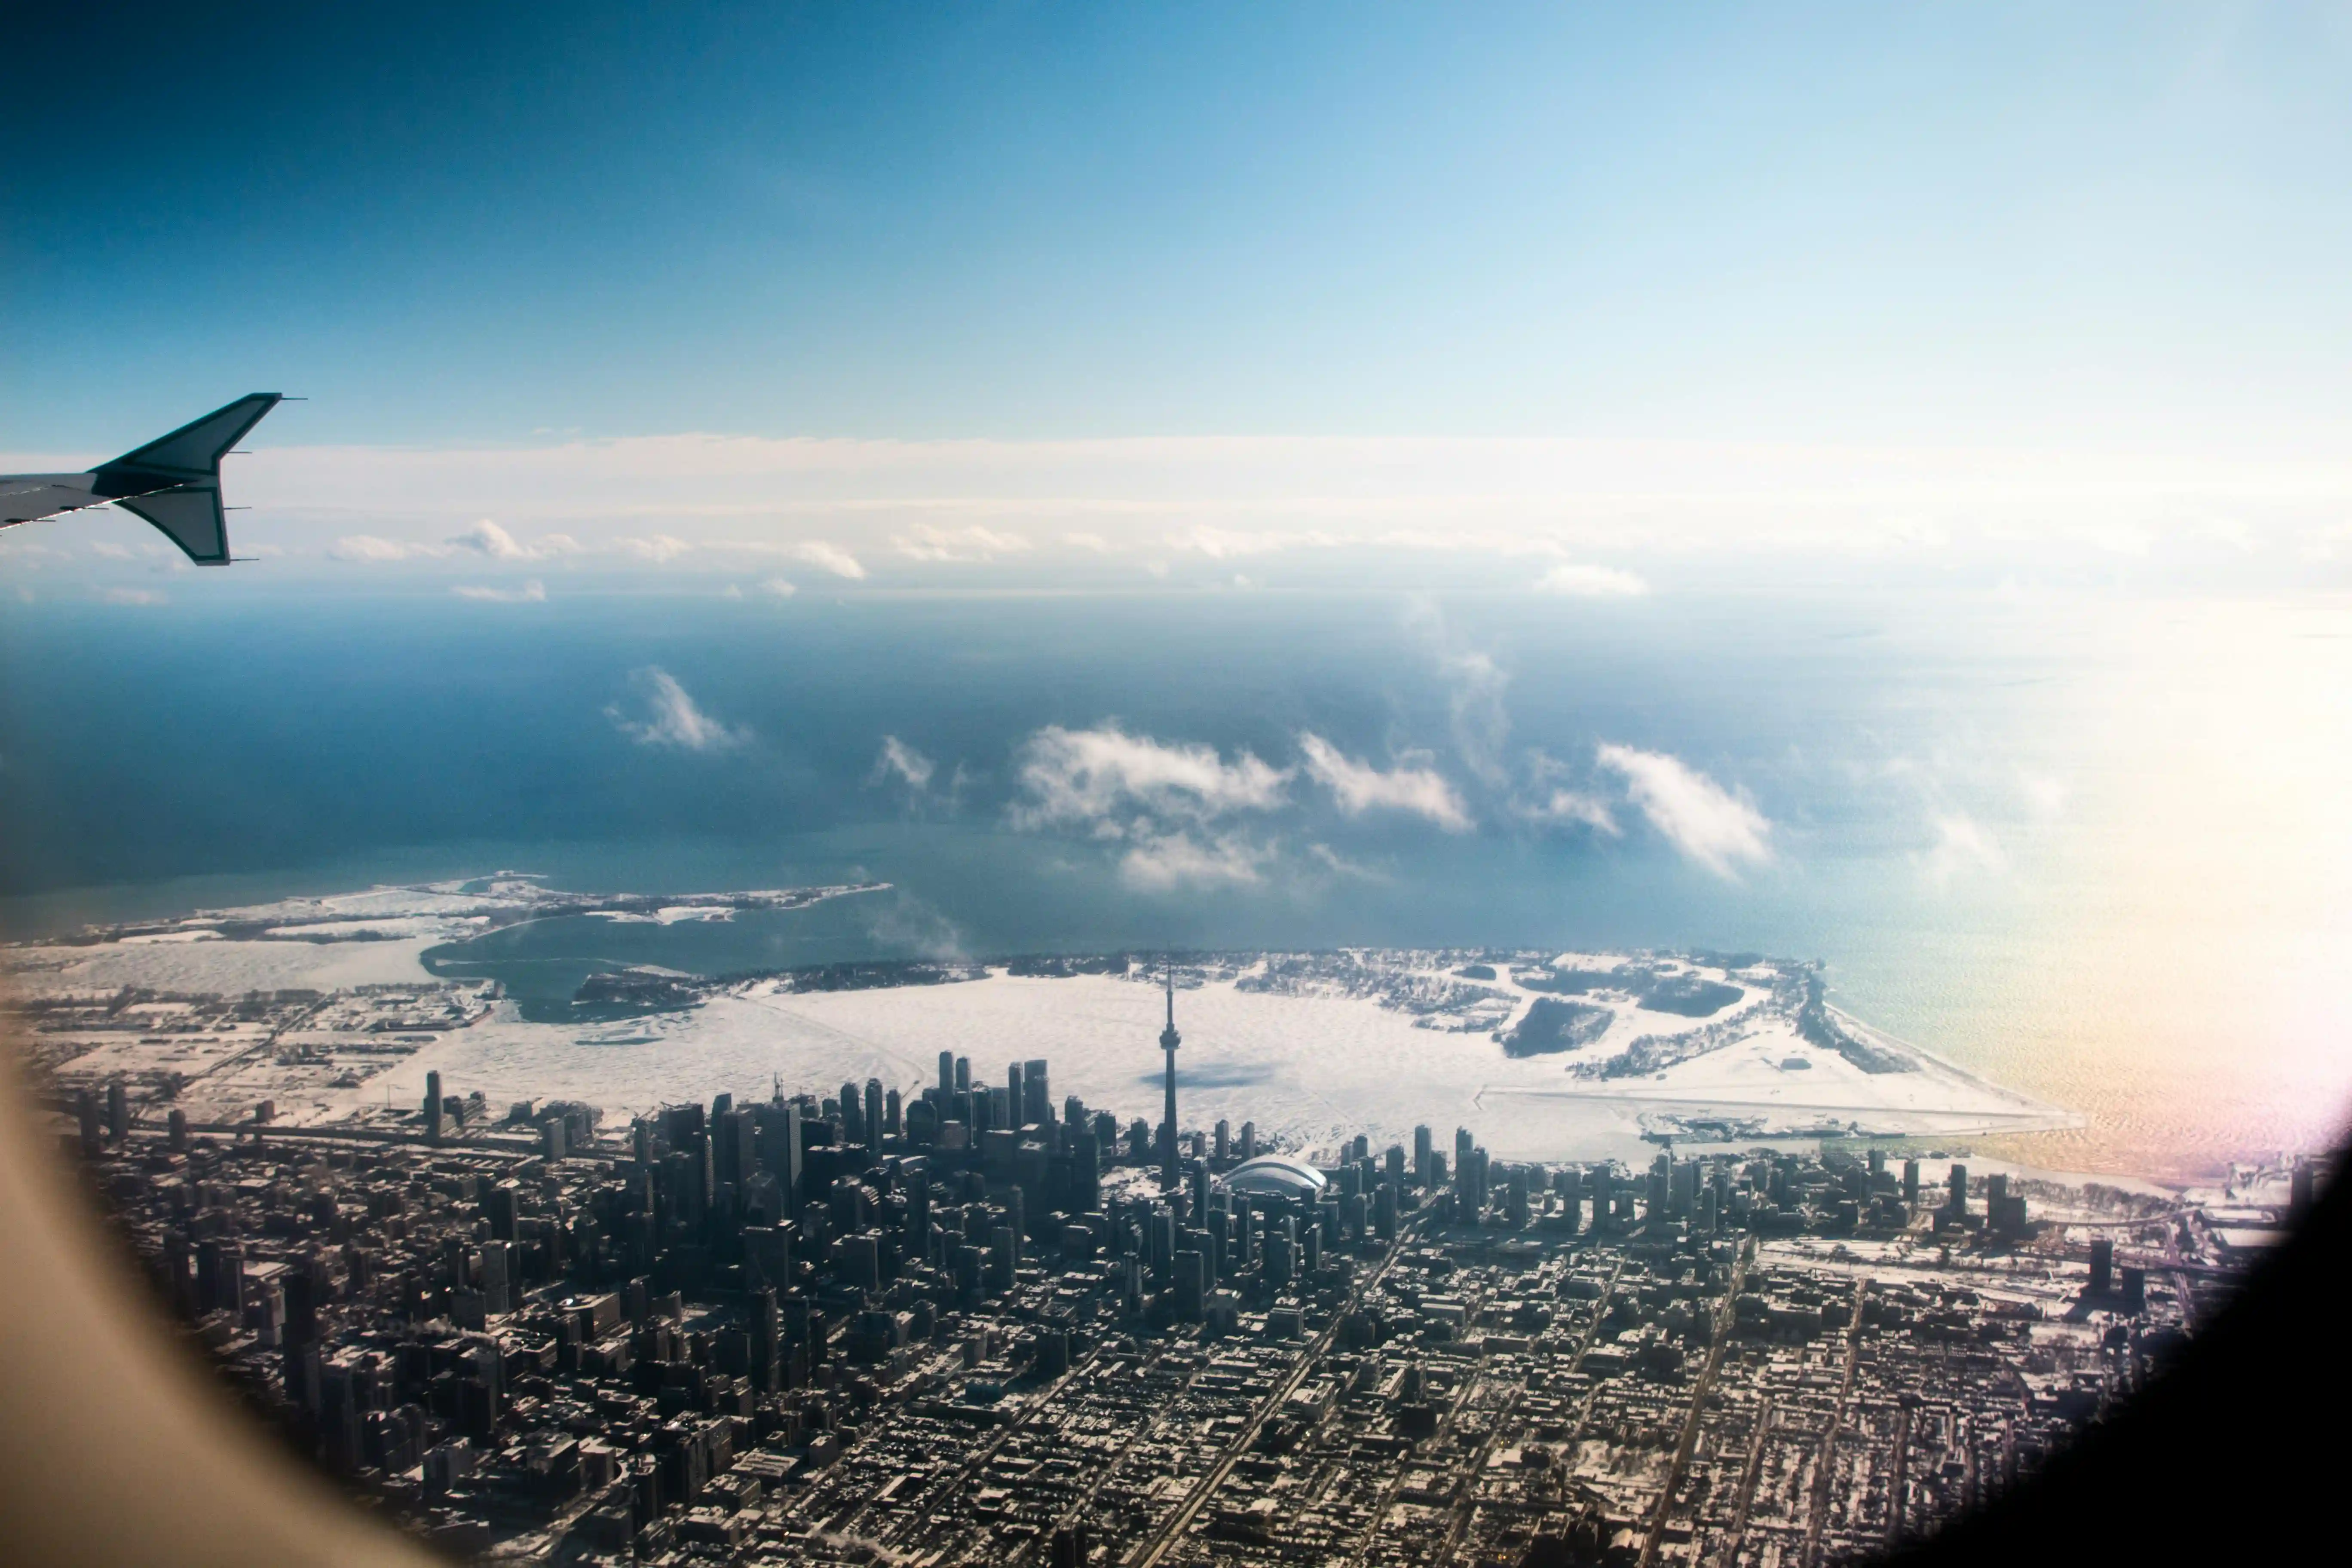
{"x": 1399, "y": 1316}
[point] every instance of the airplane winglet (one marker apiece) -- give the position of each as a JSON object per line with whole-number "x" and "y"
{"x": 173, "y": 481}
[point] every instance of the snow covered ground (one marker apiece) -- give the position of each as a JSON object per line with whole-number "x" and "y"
{"x": 1316, "y": 1049}
{"x": 1311, "y": 1072}
{"x": 218, "y": 966}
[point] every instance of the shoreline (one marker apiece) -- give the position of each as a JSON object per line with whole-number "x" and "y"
{"x": 1696, "y": 1093}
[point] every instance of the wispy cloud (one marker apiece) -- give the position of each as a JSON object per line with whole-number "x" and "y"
{"x": 1164, "y": 862}
{"x": 367, "y": 547}
{"x": 780, "y": 587}
{"x": 1233, "y": 544}
{"x": 23, "y": 552}
{"x": 1359, "y": 788}
{"x": 903, "y": 763}
{"x": 1570, "y": 807}
{"x": 136, "y": 597}
{"x": 1339, "y": 864}
{"x": 669, "y": 716}
{"x": 533, "y": 592}
{"x": 907, "y": 924}
{"x": 1475, "y": 687}
{"x": 926, "y": 542}
{"x": 659, "y": 548}
{"x": 1580, "y": 581}
{"x": 820, "y": 553}
{"x": 1552, "y": 799}
{"x": 1696, "y": 815}
{"x": 1103, "y": 776}
{"x": 485, "y": 538}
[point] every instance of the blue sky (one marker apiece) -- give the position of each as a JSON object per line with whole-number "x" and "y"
{"x": 2119, "y": 228}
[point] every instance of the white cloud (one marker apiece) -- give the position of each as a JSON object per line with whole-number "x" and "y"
{"x": 1475, "y": 684}
{"x": 368, "y": 547}
{"x": 782, "y": 587}
{"x": 1233, "y": 545}
{"x": 487, "y": 538}
{"x": 1160, "y": 862}
{"x": 911, "y": 766}
{"x": 1360, "y": 787}
{"x": 108, "y": 549}
{"x": 1107, "y": 778}
{"x": 1549, "y": 802}
{"x": 533, "y": 592}
{"x": 1094, "y": 541}
{"x": 1584, "y": 581}
{"x": 925, "y": 543}
{"x": 671, "y": 717}
{"x": 1697, "y": 815}
{"x": 558, "y": 544}
{"x": 137, "y": 597}
{"x": 1570, "y": 807}
{"x": 827, "y": 558}
{"x": 1340, "y": 865}
{"x": 1540, "y": 502}
{"x": 661, "y": 547}
{"x": 1961, "y": 845}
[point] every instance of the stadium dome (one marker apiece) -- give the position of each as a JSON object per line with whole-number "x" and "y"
{"x": 1277, "y": 1177}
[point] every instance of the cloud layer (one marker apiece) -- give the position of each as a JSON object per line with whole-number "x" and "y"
{"x": 1580, "y": 581}
{"x": 533, "y": 592}
{"x": 1600, "y": 519}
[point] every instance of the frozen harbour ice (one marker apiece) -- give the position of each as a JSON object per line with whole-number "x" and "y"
{"x": 1311, "y": 1072}
{"x": 1314, "y": 1050}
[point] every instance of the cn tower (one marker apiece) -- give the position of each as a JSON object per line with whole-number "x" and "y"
{"x": 1169, "y": 1040}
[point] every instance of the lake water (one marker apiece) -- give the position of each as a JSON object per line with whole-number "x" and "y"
{"x": 2091, "y": 847}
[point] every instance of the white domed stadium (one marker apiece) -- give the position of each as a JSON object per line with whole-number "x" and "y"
{"x": 1277, "y": 1175}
